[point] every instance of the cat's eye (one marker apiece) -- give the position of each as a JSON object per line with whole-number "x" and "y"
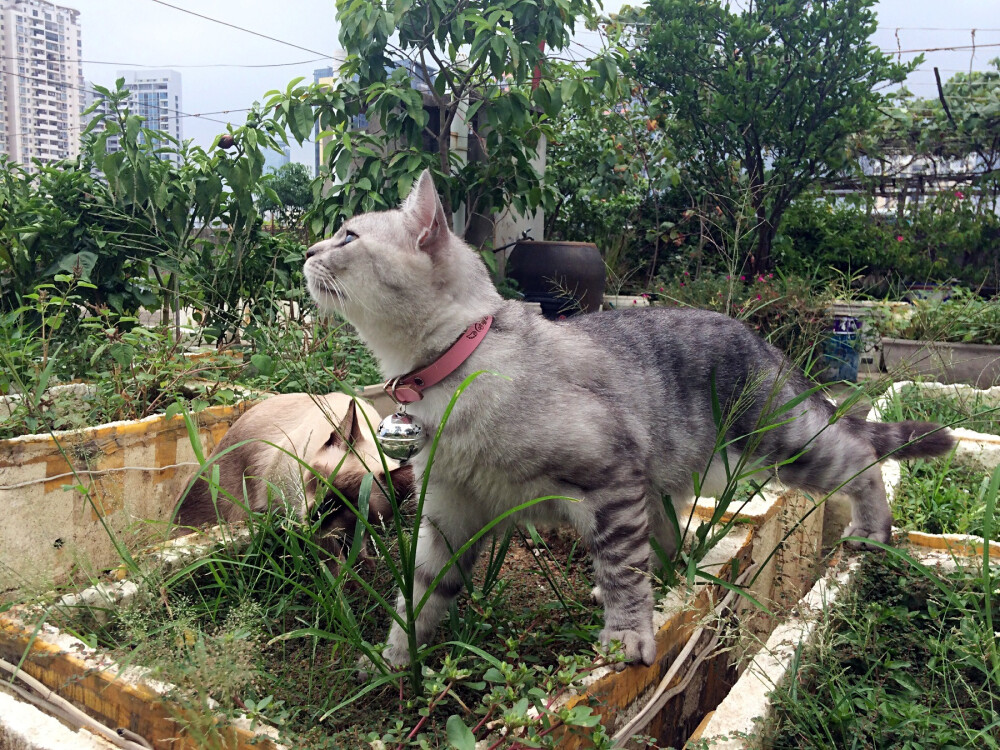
{"x": 349, "y": 236}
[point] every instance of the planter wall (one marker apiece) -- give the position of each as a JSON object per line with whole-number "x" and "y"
{"x": 974, "y": 364}
{"x": 116, "y": 696}
{"x": 736, "y": 723}
{"x": 129, "y": 472}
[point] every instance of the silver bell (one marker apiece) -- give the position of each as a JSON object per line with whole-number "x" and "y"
{"x": 400, "y": 436}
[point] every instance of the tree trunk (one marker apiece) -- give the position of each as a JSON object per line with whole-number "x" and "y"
{"x": 761, "y": 260}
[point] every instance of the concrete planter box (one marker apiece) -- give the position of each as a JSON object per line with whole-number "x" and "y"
{"x": 58, "y": 491}
{"x": 735, "y": 724}
{"x": 127, "y": 697}
{"x": 974, "y": 364}
{"x": 764, "y": 536}
{"x": 116, "y": 696}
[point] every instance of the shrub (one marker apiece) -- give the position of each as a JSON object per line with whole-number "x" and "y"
{"x": 946, "y": 236}
{"x": 964, "y": 317}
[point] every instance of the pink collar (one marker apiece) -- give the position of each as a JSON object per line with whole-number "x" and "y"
{"x": 408, "y": 388}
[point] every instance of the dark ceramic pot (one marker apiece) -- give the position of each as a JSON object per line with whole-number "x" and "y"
{"x": 565, "y": 277}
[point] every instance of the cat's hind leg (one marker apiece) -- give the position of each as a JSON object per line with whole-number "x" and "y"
{"x": 840, "y": 461}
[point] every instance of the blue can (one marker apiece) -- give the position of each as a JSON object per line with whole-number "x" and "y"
{"x": 842, "y": 350}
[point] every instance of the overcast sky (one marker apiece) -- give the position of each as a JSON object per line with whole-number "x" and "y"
{"x": 145, "y": 33}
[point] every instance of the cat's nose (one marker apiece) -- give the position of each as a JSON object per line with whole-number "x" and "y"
{"x": 315, "y": 249}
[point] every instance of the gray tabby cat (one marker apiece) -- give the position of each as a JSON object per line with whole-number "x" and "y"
{"x": 612, "y": 408}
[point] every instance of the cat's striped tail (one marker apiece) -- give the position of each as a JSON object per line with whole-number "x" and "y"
{"x": 909, "y": 439}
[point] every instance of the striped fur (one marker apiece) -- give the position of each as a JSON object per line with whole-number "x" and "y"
{"x": 611, "y": 409}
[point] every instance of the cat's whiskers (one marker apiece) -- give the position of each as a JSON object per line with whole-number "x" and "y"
{"x": 329, "y": 285}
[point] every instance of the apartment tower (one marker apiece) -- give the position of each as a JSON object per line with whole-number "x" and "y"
{"x": 41, "y": 81}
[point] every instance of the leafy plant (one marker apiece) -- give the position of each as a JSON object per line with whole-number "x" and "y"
{"x": 908, "y": 658}
{"x": 291, "y": 184}
{"x": 945, "y": 237}
{"x": 963, "y": 317}
{"x": 941, "y": 498}
{"x": 130, "y": 371}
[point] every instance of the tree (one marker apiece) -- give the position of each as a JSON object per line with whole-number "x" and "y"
{"x": 609, "y": 166}
{"x": 293, "y": 186}
{"x": 764, "y": 96}
{"x": 414, "y": 71}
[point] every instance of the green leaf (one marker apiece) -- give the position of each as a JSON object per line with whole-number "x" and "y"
{"x": 459, "y": 735}
{"x": 263, "y": 364}
{"x": 123, "y": 354}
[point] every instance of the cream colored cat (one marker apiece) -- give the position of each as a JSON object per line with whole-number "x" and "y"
{"x": 329, "y": 433}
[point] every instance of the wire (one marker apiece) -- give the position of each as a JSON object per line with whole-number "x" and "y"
{"x": 45, "y": 697}
{"x": 937, "y": 49}
{"x": 154, "y": 67}
{"x": 240, "y": 28}
{"x": 102, "y": 472}
{"x": 661, "y": 695}
{"x": 59, "y": 84}
{"x": 940, "y": 28}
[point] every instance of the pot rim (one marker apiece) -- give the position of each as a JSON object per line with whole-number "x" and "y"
{"x": 554, "y": 242}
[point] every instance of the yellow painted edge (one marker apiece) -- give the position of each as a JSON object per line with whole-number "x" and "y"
{"x": 107, "y": 697}
{"x": 959, "y": 544}
{"x": 700, "y": 729}
{"x": 108, "y": 431}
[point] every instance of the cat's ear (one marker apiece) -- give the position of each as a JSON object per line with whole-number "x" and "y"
{"x": 424, "y": 210}
{"x": 348, "y": 432}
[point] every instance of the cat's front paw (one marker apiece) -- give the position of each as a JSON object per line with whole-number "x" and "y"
{"x": 394, "y": 657}
{"x": 597, "y": 595}
{"x": 882, "y": 534}
{"x": 639, "y": 646}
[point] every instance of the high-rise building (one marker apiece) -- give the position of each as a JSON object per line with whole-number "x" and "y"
{"x": 275, "y": 160}
{"x": 154, "y": 95}
{"x": 322, "y": 77}
{"x": 41, "y": 81}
